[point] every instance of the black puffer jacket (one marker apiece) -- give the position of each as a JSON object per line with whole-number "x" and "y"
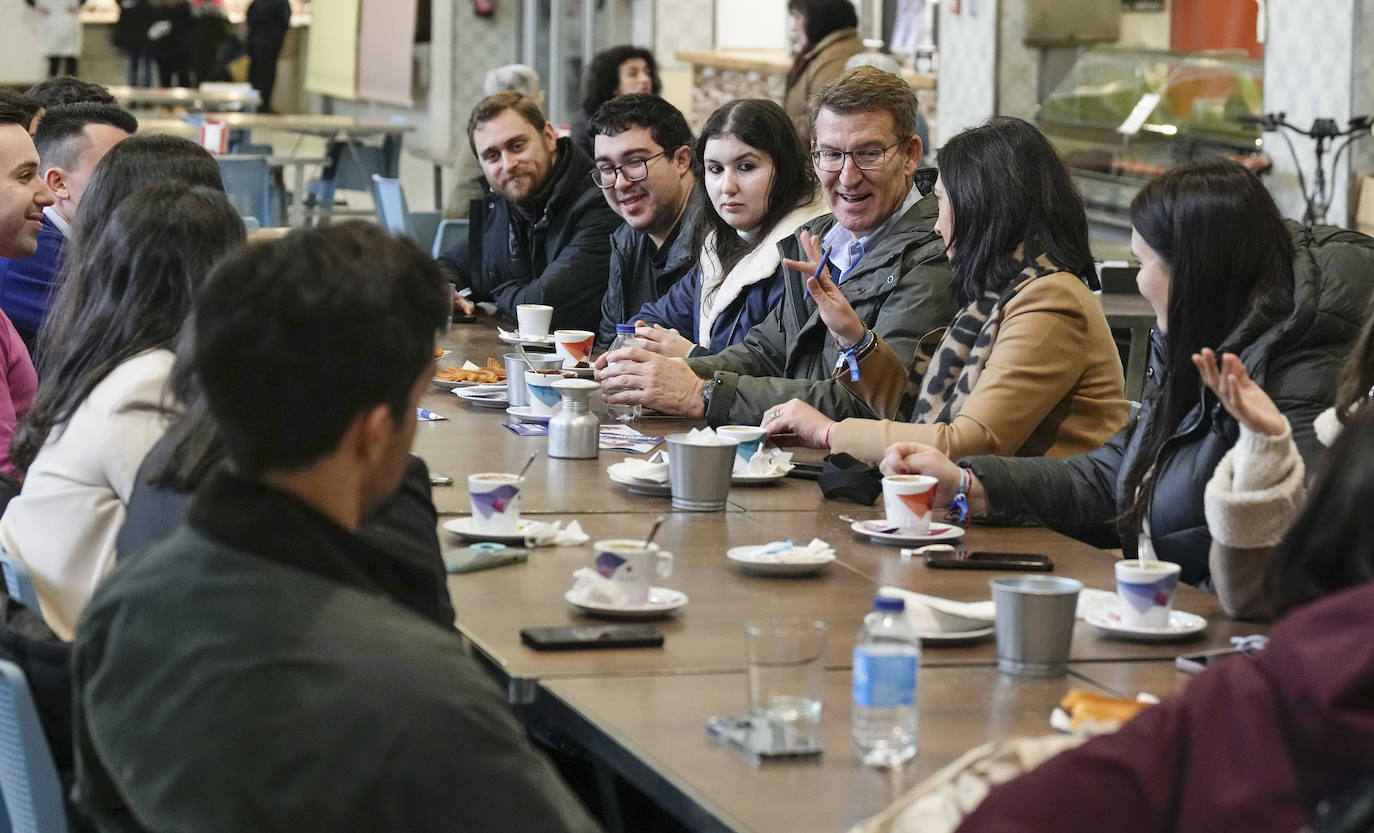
{"x": 1297, "y": 363}
{"x": 561, "y": 259}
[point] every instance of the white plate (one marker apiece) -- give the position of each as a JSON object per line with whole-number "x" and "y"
{"x": 957, "y": 637}
{"x": 1181, "y": 626}
{"x": 462, "y": 527}
{"x": 489, "y": 397}
{"x": 746, "y": 559}
{"x": 636, "y": 485}
{"x": 525, "y": 413}
{"x": 528, "y": 341}
{"x": 442, "y": 355}
{"x": 938, "y": 532}
{"x": 662, "y": 601}
{"x": 758, "y": 479}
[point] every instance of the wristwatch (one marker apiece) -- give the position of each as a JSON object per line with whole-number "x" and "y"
{"x": 707, "y": 391}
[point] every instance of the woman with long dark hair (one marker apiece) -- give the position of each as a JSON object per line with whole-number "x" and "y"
{"x": 1028, "y": 366}
{"x": 1219, "y": 266}
{"x": 753, "y": 171}
{"x": 619, "y": 70}
{"x": 825, "y": 35}
{"x": 126, "y": 291}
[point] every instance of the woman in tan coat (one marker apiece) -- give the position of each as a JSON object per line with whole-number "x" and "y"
{"x": 1028, "y": 366}
{"x": 825, "y": 35}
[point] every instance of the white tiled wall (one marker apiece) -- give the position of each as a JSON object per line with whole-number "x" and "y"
{"x": 1364, "y": 82}
{"x": 968, "y": 66}
{"x": 1018, "y": 65}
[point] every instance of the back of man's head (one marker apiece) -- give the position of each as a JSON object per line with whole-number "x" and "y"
{"x": 513, "y": 77}
{"x": 664, "y": 121}
{"x": 18, "y": 108}
{"x": 296, "y": 338}
{"x": 868, "y": 90}
{"x": 61, "y": 137}
{"x": 65, "y": 89}
{"x": 494, "y": 105}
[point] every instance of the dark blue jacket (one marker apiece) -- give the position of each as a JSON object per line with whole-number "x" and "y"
{"x": 679, "y": 310}
{"x": 27, "y": 285}
{"x": 641, "y": 275}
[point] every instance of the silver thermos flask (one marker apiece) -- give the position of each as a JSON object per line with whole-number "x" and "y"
{"x": 574, "y": 431}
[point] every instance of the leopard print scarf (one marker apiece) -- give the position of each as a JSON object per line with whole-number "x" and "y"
{"x": 952, "y": 369}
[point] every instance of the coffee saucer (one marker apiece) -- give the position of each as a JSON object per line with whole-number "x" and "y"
{"x": 462, "y": 527}
{"x": 662, "y": 601}
{"x": 1181, "y": 626}
{"x": 637, "y": 486}
{"x": 487, "y": 396}
{"x": 956, "y": 637}
{"x": 527, "y": 340}
{"x": 758, "y": 479}
{"x": 525, "y": 413}
{"x": 881, "y": 532}
{"x": 758, "y": 561}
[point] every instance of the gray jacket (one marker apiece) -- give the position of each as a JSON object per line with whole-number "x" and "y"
{"x": 900, "y": 290}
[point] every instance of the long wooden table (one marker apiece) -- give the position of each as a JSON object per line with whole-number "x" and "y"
{"x": 641, "y": 712}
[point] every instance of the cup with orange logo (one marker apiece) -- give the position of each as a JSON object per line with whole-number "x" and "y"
{"x": 575, "y": 346}
{"x": 908, "y": 498}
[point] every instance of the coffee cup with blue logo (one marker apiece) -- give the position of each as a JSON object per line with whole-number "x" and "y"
{"x": 750, "y": 439}
{"x": 1147, "y": 591}
{"x": 543, "y": 397}
{"x": 495, "y": 498}
{"x": 632, "y": 565}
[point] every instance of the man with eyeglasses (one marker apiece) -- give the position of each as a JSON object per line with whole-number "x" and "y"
{"x": 644, "y": 167}
{"x": 541, "y": 232}
{"x": 880, "y": 247}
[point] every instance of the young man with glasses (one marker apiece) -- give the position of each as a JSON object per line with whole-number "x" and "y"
{"x": 882, "y": 250}
{"x": 541, "y": 234}
{"x": 644, "y": 167}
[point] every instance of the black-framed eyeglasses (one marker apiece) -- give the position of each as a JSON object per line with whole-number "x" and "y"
{"x": 633, "y": 171}
{"x": 865, "y": 159}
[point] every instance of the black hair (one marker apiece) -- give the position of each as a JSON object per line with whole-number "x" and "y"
{"x": 17, "y": 108}
{"x": 1231, "y": 258}
{"x": 765, "y": 127}
{"x": 131, "y": 164}
{"x": 1008, "y": 188}
{"x": 128, "y": 289}
{"x": 1357, "y": 375}
{"x": 64, "y": 89}
{"x": 665, "y": 122}
{"x": 603, "y": 75}
{"x": 1331, "y": 545}
{"x": 313, "y": 329}
{"x": 60, "y": 136}
{"x": 821, "y": 17}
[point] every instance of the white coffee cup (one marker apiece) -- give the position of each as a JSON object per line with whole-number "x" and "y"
{"x": 533, "y": 319}
{"x": 1146, "y": 591}
{"x": 543, "y": 397}
{"x": 907, "y": 499}
{"x": 632, "y": 566}
{"x": 574, "y": 345}
{"x": 750, "y": 437}
{"x": 495, "y": 498}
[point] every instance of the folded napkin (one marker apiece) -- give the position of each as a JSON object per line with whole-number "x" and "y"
{"x": 553, "y": 533}
{"x": 595, "y": 588}
{"x": 468, "y": 365}
{"x": 1091, "y": 601}
{"x": 766, "y": 462}
{"x": 522, "y": 336}
{"x": 785, "y": 552}
{"x": 705, "y": 436}
{"x": 1085, "y": 713}
{"x": 932, "y": 614}
{"x": 654, "y": 468}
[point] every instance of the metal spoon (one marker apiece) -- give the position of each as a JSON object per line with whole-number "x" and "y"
{"x": 654, "y": 529}
{"x": 527, "y": 465}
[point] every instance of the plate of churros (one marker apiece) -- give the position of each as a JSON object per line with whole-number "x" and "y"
{"x": 468, "y": 374}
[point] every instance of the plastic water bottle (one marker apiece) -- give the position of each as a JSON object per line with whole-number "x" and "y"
{"x": 624, "y": 337}
{"x": 886, "y": 658}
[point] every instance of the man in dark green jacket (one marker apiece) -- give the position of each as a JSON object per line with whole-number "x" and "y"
{"x": 882, "y": 248}
{"x": 266, "y": 667}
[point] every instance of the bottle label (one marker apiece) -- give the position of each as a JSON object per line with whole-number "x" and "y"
{"x": 884, "y": 679}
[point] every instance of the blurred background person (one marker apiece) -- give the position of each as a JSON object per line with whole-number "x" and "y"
{"x": 518, "y": 78}
{"x": 61, "y": 33}
{"x": 825, "y": 35}
{"x": 620, "y": 70}
{"x": 267, "y": 23}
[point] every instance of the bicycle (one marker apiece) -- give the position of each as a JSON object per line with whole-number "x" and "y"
{"x": 1323, "y": 132}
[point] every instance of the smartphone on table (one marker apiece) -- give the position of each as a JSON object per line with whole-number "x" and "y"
{"x": 591, "y": 636}
{"x": 760, "y": 739}
{"x": 959, "y": 560}
{"x": 483, "y": 556}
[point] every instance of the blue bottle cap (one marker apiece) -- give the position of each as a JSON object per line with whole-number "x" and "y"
{"x": 894, "y": 604}
{"x": 624, "y": 329}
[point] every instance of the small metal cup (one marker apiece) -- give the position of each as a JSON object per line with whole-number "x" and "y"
{"x": 515, "y": 374}
{"x": 699, "y": 475}
{"x": 1035, "y": 618}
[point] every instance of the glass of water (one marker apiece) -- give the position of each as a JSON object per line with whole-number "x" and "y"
{"x": 786, "y": 668}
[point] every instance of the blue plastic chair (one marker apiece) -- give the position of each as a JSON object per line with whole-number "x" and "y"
{"x": 394, "y": 214}
{"x": 19, "y": 581}
{"x": 248, "y": 185}
{"x": 28, "y": 777}
{"x": 450, "y": 234}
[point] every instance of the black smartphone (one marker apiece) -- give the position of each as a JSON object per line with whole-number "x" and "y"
{"x": 592, "y": 636}
{"x": 989, "y": 561}
{"x": 1201, "y": 661}
{"x": 482, "y": 557}
{"x": 761, "y": 739}
{"x": 805, "y": 471}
